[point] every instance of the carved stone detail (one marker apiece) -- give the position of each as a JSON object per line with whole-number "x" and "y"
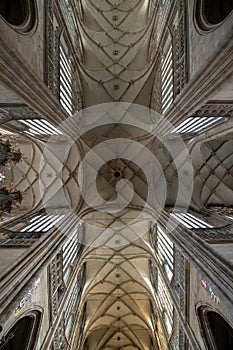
{"x": 156, "y": 95}
{"x": 181, "y": 338}
{"x": 59, "y": 340}
{"x": 56, "y": 62}
{"x": 82, "y": 321}
{"x": 224, "y": 233}
{"x": 57, "y": 283}
{"x": 178, "y": 282}
{"x": 53, "y": 43}
{"x": 68, "y": 17}
{"x": 215, "y": 110}
{"x": 12, "y": 239}
{"x": 153, "y": 274}
{"x": 174, "y": 340}
{"x": 21, "y": 239}
{"x": 153, "y": 237}
{"x": 49, "y": 41}
{"x": 221, "y": 211}
{"x": 8, "y": 113}
{"x": 179, "y": 54}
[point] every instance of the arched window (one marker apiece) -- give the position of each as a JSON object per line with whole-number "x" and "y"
{"x": 218, "y": 333}
{"x": 209, "y": 13}
{"x": 18, "y": 13}
{"x": 217, "y": 10}
{"x": 22, "y": 335}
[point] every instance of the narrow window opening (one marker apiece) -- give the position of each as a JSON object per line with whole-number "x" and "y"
{"x": 218, "y": 333}
{"x": 14, "y": 12}
{"x": 19, "y": 13}
{"x": 190, "y": 221}
{"x": 216, "y": 11}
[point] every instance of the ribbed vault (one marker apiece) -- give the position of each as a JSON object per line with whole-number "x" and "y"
{"x": 118, "y": 294}
{"x": 43, "y": 177}
{"x": 116, "y": 63}
{"x": 214, "y": 173}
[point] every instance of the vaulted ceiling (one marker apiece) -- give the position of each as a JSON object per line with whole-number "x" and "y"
{"x": 117, "y": 65}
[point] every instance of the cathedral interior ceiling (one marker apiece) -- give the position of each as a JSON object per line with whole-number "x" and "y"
{"x": 117, "y": 291}
{"x": 117, "y": 64}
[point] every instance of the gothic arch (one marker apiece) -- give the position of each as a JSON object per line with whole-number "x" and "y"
{"x": 211, "y": 13}
{"x": 19, "y": 14}
{"x": 217, "y": 332}
{"x": 22, "y": 334}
